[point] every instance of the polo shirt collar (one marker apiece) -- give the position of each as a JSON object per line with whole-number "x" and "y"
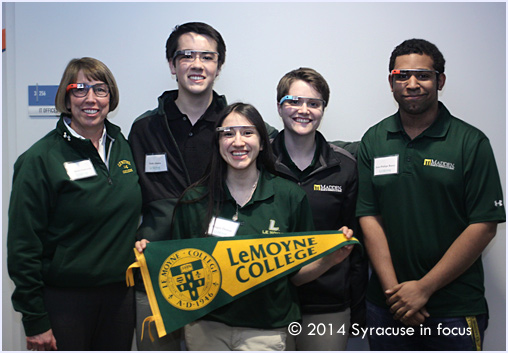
{"x": 264, "y": 189}
{"x": 438, "y": 129}
{"x": 168, "y": 105}
{"x": 172, "y": 111}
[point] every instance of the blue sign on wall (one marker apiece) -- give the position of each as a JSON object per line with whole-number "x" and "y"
{"x": 41, "y": 100}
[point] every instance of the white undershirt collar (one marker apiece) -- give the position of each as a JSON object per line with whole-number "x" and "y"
{"x": 102, "y": 140}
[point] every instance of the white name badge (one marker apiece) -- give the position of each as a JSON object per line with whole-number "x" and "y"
{"x": 80, "y": 169}
{"x": 386, "y": 165}
{"x": 221, "y": 227}
{"x": 155, "y": 163}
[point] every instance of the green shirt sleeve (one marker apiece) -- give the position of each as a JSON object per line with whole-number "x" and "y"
{"x": 366, "y": 202}
{"x": 28, "y": 220}
{"x": 483, "y": 191}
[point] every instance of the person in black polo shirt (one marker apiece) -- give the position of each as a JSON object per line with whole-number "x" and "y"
{"x": 429, "y": 203}
{"x": 171, "y": 143}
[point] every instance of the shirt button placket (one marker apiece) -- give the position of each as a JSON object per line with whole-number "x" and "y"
{"x": 409, "y": 165}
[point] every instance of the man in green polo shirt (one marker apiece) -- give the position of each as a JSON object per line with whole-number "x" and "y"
{"x": 429, "y": 203}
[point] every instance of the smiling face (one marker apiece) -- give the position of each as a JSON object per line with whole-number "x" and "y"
{"x": 195, "y": 77}
{"x": 416, "y": 97}
{"x": 301, "y": 120}
{"x": 88, "y": 112}
{"x": 241, "y": 145}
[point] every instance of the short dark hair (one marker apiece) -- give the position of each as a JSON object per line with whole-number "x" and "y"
{"x": 418, "y": 46}
{"x": 199, "y": 28}
{"x": 93, "y": 69}
{"x": 311, "y": 76}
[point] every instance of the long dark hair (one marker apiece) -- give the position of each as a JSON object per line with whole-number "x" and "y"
{"x": 215, "y": 174}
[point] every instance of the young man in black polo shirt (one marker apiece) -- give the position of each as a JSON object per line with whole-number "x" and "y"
{"x": 171, "y": 144}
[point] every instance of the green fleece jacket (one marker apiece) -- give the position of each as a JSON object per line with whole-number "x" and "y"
{"x": 70, "y": 233}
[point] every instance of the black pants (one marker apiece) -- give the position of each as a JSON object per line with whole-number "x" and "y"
{"x": 86, "y": 319}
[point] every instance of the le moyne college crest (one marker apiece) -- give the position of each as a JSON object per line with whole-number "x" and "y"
{"x": 189, "y": 279}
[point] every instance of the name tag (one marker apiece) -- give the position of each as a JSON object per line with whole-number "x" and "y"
{"x": 155, "y": 163}
{"x": 80, "y": 169}
{"x": 386, "y": 165}
{"x": 221, "y": 227}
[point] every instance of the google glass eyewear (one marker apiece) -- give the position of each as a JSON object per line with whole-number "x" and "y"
{"x": 229, "y": 131}
{"x": 81, "y": 89}
{"x": 188, "y": 56}
{"x": 295, "y": 101}
{"x": 419, "y": 74}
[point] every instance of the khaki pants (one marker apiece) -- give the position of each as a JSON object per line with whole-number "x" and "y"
{"x": 205, "y": 335}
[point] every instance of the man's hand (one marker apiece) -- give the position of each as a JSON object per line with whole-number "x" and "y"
{"x": 407, "y": 302}
{"x": 42, "y": 342}
{"x": 416, "y": 319}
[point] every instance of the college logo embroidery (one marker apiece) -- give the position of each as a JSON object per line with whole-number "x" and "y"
{"x": 438, "y": 164}
{"x": 189, "y": 279}
{"x": 331, "y": 188}
{"x": 272, "y": 229}
{"x": 126, "y": 166}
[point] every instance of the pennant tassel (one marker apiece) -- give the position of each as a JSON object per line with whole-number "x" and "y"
{"x": 156, "y": 315}
{"x": 148, "y": 320}
{"x": 129, "y": 277}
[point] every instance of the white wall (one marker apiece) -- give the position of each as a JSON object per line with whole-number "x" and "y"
{"x": 349, "y": 43}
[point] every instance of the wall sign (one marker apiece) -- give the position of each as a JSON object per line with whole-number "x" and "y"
{"x": 41, "y": 100}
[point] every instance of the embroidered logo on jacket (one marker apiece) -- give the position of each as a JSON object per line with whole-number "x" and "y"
{"x": 272, "y": 229}
{"x": 126, "y": 166}
{"x": 329, "y": 188}
{"x": 438, "y": 164}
